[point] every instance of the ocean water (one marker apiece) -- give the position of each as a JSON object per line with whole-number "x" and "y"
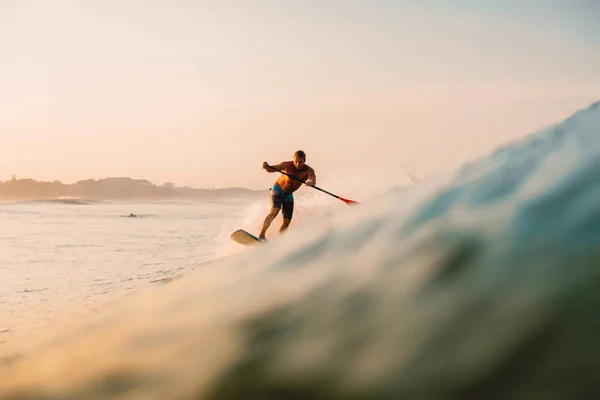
{"x": 478, "y": 284}
{"x": 68, "y": 257}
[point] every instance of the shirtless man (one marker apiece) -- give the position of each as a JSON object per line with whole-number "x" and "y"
{"x": 281, "y": 193}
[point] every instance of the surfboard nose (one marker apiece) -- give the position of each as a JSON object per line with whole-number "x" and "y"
{"x": 245, "y": 238}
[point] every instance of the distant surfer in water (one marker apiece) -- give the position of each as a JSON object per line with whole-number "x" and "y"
{"x": 282, "y": 197}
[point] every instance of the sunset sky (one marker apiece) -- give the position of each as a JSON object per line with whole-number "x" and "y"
{"x": 200, "y": 93}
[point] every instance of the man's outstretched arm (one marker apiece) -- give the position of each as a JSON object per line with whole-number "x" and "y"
{"x": 312, "y": 178}
{"x": 280, "y": 166}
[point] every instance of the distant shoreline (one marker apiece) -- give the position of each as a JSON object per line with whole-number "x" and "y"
{"x": 84, "y": 201}
{"x": 112, "y": 189}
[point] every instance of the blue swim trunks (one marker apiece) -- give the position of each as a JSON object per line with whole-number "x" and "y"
{"x": 282, "y": 200}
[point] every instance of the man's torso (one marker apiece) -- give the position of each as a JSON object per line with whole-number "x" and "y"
{"x": 288, "y": 184}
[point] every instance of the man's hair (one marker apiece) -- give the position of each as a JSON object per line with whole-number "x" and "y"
{"x": 300, "y": 154}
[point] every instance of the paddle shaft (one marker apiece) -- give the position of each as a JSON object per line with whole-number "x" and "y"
{"x": 316, "y": 187}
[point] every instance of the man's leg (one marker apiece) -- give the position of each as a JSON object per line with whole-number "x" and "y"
{"x": 284, "y": 224}
{"x": 267, "y": 222}
{"x": 288, "y": 211}
{"x": 276, "y": 203}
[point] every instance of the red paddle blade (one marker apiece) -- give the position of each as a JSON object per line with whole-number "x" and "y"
{"x": 349, "y": 202}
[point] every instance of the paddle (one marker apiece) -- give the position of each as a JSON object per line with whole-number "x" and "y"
{"x": 349, "y": 202}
